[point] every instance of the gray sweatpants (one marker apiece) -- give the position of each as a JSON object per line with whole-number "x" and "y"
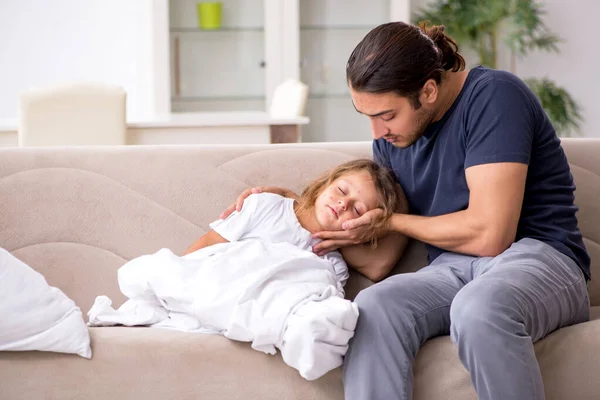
{"x": 494, "y": 309}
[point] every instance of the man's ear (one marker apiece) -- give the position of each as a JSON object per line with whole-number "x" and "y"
{"x": 429, "y": 92}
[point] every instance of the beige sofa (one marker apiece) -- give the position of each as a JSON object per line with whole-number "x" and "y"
{"x": 77, "y": 214}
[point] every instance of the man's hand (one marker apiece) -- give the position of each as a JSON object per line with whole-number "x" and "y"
{"x": 355, "y": 231}
{"x": 237, "y": 206}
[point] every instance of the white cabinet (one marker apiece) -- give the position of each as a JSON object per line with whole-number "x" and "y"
{"x": 235, "y": 67}
{"x": 260, "y": 44}
{"x": 219, "y": 69}
{"x": 329, "y": 31}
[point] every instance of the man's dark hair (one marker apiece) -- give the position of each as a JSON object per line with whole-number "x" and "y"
{"x": 398, "y": 57}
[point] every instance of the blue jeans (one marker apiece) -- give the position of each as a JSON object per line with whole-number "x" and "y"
{"x": 494, "y": 309}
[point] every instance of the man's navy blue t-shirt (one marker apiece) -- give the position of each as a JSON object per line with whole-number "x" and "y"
{"x": 495, "y": 118}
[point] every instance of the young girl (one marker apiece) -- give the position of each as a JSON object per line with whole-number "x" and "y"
{"x": 253, "y": 277}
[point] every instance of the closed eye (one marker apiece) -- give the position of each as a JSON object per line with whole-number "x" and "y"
{"x": 356, "y": 211}
{"x": 388, "y": 118}
{"x": 341, "y": 191}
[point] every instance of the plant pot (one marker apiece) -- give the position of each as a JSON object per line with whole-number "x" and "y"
{"x": 209, "y": 15}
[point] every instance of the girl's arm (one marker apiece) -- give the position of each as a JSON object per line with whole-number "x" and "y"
{"x": 206, "y": 240}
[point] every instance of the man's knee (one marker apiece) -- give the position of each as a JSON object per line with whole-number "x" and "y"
{"x": 479, "y": 306}
{"x": 374, "y": 300}
{"x": 397, "y": 301}
{"x": 394, "y": 295}
{"x": 388, "y": 305}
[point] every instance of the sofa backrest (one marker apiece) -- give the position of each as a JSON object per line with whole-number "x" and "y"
{"x": 77, "y": 214}
{"x": 584, "y": 159}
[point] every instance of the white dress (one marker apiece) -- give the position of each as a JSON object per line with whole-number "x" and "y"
{"x": 264, "y": 286}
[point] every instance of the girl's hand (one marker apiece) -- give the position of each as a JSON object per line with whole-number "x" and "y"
{"x": 237, "y": 206}
{"x": 355, "y": 231}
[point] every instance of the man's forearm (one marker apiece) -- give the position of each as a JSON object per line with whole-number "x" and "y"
{"x": 459, "y": 232}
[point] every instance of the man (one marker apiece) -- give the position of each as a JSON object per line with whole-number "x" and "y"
{"x": 490, "y": 193}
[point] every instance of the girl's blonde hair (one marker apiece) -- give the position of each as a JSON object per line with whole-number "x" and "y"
{"x": 385, "y": 186}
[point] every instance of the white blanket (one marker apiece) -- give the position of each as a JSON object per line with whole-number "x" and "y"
{"x": 274, "y": 295}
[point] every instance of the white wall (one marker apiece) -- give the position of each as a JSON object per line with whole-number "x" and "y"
{"x": 578, "y": 63}
{"x": 51, "y": 42}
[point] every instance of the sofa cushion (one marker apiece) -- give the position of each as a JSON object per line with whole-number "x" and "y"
{"x": 128, "y": 362}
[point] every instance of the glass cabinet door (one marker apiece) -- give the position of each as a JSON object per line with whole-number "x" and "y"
{"x": 329, "y": 31}
{"x": 220, "y": 69}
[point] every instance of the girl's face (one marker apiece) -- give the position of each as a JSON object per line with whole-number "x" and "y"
{"x": 346, "y": 198}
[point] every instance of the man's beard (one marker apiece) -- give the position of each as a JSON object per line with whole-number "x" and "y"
{"x": 423, "y": 119}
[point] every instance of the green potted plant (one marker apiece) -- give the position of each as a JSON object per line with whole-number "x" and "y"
{"x": 483, "y": 25}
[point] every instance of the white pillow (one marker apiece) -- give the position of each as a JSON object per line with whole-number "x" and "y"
{"x": 36, "y": 316}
